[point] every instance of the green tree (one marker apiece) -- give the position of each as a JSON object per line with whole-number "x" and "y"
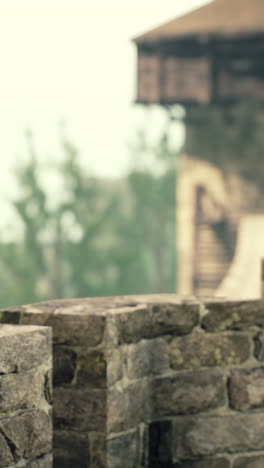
{"x": 145, "y": 255}
{"x": 62, "y": 250}
{"x": 87, "y": 230}
{"x": 101, "y": 237}
{"x": 24, "y": 262}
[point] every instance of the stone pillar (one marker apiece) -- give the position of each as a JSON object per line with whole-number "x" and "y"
{"x": 25, "y": 397}
{"x": 79, "y": 376}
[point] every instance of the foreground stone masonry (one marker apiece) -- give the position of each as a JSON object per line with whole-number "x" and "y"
{"x": 143, "y": 382}
{"x": 25, "y": 410}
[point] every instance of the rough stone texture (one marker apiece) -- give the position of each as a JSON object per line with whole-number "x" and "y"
{"x": 64, "y": 361}
{"x": 157, "y": 320}
{"x": 91, "y": 369}
{"x": 123, "y": 451}
{"x": 187, "y": 393}
{"x": 25, "y": 417}
{"x": 6, "y": 456}
{"x": 22, "y": 348}
{"x": 146, "y": 358}
{"x": 249, "y": 462}
{"x": 139, "y": 409}
{"x": 203, "y": 436}
{"x": 29, "y": 433}
{"x": 71, "y": 329}
{"x": 126, "y": 409}
{"x": 223, "y": 315}
{"x": 114, "y": 366}
{"x": 170, "y": 383}
{"x": 247, "y": 389}
{"x": 117, "y": 402}
{"x": 79, "y": 409}
{"x": 98, "y": 450}
{"x": 21, "y": 391}
{"x": 43, "y": 462}
{"x": 208, "y": 350}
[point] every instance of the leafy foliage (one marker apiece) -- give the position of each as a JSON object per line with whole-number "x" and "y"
{"x": 102, "y": 237}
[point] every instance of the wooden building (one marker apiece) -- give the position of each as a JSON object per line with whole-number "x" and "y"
{"x": 211, "y": 61}
{"x": 212, "y": 55}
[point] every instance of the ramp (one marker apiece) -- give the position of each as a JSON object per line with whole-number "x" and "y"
{"x": 243, "y": 279}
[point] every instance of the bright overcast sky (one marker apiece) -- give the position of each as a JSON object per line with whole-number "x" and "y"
{"x": 72, "y": 60}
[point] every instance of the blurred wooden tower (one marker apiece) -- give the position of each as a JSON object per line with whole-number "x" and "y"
{"x": 209, "y": 59}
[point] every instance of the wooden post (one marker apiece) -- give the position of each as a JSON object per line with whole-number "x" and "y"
{"x": 262, "y": 278}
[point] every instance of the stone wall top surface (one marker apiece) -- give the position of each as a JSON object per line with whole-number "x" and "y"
{"x": 215, "y": 314}
{"x": 233, "y": 315}
{"x": 100, "y": 305}
{"x": 11, "y": 330}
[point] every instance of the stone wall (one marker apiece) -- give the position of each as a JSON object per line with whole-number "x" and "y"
{"x": 25, "y": 397}
{"x": 190, "y": 390}
{"x": 165, "y": 382}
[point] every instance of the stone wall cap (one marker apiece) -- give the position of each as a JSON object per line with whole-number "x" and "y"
{"x": 101, "y": 306}
{"x": 12, "y": 330}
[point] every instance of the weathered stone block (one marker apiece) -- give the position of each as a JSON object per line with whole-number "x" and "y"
{"x": 25, "y": 422}
{"x": 79, "y": 409}
{"x": 91, "y": 369}
{"x": 114, "y": 366}
{"x": 69, "y": 328}
{"x": 78, "y": 329}
{"x": 122, "y": 451}
{"x": 21, "y": 391}
{"x": 22, "y": 348}
{"x": 246, "y": 388}
{"x": 209, "y": 436}
{"x": 43, "y": 462}
{"x": 30, "y": 315}
{"x": 208, "y": 350}
{"x": 134, "y": 325}
{"x": 147, "y": 357}
{"x": 6, "y": 456}
{"x": 187, "y": 393}
{"x": 139, "y": 409}
{"x": 117, "y": 411}
{"x": 98, "y": 450}
{"x": 64, "y": 361}
{"x": 249, "y": 462}
{"x": 233, "y": 315}
{"x": 127, "y": 408}
{"x": 29, "y": 434}
{"x": 171, "y": 318}
{"x": 157, "y": 320}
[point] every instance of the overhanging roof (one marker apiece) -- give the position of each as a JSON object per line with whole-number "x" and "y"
{"x": 219, "y": 17}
